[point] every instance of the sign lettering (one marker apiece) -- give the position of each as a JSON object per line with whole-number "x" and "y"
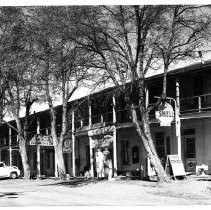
{"x": 174, "y": 166}
{"x": 43, "y": 140}
{"x": 165, "y": 114}
{"x": 100, "y": 131}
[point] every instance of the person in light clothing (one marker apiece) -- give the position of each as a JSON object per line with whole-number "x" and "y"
{"x": 100, "y": 164}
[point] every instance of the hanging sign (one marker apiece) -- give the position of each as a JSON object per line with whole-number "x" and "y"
{"x": 165, "y": 114}
{"x": 174, "y": 166}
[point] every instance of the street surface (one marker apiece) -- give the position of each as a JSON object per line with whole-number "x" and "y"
{"x": 52, "y": 192}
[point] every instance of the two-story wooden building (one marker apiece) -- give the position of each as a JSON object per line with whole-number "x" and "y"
{"x": 103, "y": 121}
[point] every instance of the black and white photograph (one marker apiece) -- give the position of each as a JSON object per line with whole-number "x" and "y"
{"x": 105, "y": 104}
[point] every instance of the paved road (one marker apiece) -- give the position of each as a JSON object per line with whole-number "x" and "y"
{"x": 51, "y": 192}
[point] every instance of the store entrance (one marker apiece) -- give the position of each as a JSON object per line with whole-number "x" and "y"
{"x": 190, "y": 153}
{"x": 102, "y": 146}
{"x": 103, "y": 162}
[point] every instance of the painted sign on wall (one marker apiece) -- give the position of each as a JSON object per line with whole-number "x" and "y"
{"x": 67, "y": 146}
{"x": 104, "y": 142}
{"x": 43, "y": 140}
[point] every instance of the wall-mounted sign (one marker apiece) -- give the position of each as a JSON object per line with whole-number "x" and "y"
{"x": 165, "y": 114}
{"x": 83, "y": 128}
{"x": 104, "y": 142}
{"x": 98, "y": 125}
{"x": 67, "y": 146}
{"x": 43, "y": 140}
{"x": 100, "y": 131}
{"x": 174, "y": 166}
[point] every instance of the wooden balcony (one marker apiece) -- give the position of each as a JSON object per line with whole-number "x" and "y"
{"x": 195, "y": 104}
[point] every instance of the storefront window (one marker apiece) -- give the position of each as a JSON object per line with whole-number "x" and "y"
{"x": 190, "y": 145}
{"x": 125, "y": 152}
{"x": 49, "y": 160}
{"x": 160, "y": 144}
{"x": 135, "y": 154}
{"x": 34, "y": 160}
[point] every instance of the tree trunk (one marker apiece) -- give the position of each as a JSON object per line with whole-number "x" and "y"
{"x": 144, "y": 133}
{"x": 24, "y": 158}
{"x": 60, "y": 162}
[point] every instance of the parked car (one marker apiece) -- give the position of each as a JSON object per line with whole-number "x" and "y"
{"x": 9, "y": 171}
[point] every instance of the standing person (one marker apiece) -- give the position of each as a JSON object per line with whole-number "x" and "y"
{"x": 99, "y": 163}
{"x": 108, "y": 163}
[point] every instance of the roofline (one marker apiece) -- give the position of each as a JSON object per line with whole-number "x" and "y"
{"x": 178, "y": 71}
{"x": 186, "y": 69}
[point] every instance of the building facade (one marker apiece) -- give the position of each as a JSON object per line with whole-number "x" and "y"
{"x": 103, "y": 122}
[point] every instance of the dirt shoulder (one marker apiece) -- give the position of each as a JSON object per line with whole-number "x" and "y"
{"x": 190, "y": 191}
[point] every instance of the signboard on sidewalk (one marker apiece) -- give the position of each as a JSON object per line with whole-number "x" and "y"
{"x": 174, "y": 166}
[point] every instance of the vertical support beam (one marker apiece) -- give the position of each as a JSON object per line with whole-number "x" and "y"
{"x": 0, "y": 154}
{"x": 46, "y": 131}
{"x": 10, "y": 146}
{"x": 90, "y": 114}
{"x": 90, "y": 141}
{"x": 73, "y": 144}
{"x": 91, "y": 157}
{"x": 146, "y": 96}
{"x": 81, "y": 121}
{"x": 56, "y": 164}
{"x": 114, "y": 109}
{"x": 199, "y": 103}
{"x": 38, "y": 151}
{"x": 115, "y": 151}
{"x": 177, "y": 119}
{"x": 114, "y": 138}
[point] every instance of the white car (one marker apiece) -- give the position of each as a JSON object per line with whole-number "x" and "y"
{"x": 9, "y": 171}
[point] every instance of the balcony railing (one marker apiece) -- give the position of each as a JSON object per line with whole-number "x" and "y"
{"x": 187, "y": 105}
{"x": 195, "y": 103}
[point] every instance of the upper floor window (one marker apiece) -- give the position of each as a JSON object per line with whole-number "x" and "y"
{"x": 135, "y": 154}
{"x": 198, "y": 86}
{"x": 125, "y": 152}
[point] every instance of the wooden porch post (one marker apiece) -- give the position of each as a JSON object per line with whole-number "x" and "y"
{"x": 38, "y": 151}
{"x": 114, "y": 138}
{"x": 177, "y": 119}
{"x": 10, "y": 146}
{"x": 90, "y": 142}
{"x": 147, "y": 96}
{"x": 73, "y": 144}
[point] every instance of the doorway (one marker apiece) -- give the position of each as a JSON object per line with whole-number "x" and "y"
{"x": 190, "y": 153}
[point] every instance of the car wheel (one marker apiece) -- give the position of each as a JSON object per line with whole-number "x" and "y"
{"x": 13, "y": 175}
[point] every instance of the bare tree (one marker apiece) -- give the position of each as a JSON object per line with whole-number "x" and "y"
{"x": 128, "y": 41}
{"x": 183, "y": 32}
{"x": 64, "y": 66}
{"x": 22, "y": 83}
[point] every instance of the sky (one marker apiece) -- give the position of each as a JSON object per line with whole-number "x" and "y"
{"x": 84, "y": 91}
{"x": 96, "y": 2}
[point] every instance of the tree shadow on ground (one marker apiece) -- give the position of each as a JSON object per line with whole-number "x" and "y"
{"x": 10, "y": 194}
{"x": 76, "y": 182}
{"x": 204, "y": 179}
